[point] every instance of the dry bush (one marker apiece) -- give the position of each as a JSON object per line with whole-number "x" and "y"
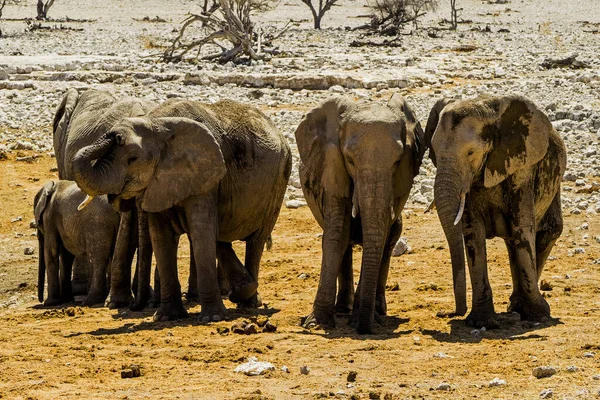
{"x": 388, "y": 17}
{"x": 226, "y": 25}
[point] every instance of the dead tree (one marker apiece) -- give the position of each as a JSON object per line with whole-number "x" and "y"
{"x": 320, "y": 10}
{"x": 229, "y": 22}
{"x": 419, "y": 8}
{"x": 43, "y": 8}
{"x": 388, "y": 17}
{"x": 454, "y": 14}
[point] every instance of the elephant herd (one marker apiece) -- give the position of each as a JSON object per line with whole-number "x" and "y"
{"x": 135, "y": 176}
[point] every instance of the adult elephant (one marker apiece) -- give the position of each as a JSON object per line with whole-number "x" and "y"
{"x": 357, "y": 167}
{"x": 215, "y": 171}
{"x": 80, "y": 119}
{"x": 499, "y": 168}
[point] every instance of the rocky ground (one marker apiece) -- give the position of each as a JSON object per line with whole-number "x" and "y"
{"x": 504, "y": 49}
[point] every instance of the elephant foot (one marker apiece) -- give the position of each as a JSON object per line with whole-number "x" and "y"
{"x": 213, "y": 312}
{"x": 254, "y": 301}
{"x": 154, "y": 301}
{"x": 119, "y": 300}
{"x": 53, "y": 301}
{"x": 138, "y": 305}
{"x": 242, "y": 290}
{"x": 343, "y": 308}
{"x": 482, "y": 318}
{"x": 320, "y": 317}
{"x": 535, "y": 311}
{"x": 170, "y": 312}
{"x": 79, "y": 288}
{"x": 93, "y": 298}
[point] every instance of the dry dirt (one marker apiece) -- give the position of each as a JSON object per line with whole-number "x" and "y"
{"x": 79, "y": 352}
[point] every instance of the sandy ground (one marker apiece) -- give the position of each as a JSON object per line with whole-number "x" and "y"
{"x": 79, "y": 352}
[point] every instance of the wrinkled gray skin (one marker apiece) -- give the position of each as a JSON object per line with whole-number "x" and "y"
{"x": 217, "y": 172}
{"x": 81, "y": 119}
{"x": 357, "y": 167}
{"x": 64, "y": 234}
{"x": 502, "y": 155}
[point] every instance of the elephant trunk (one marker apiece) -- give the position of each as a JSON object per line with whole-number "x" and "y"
{"x": 98, "y": 177}
{"x": 41, "y": 267}
{"x": 374, "y": 205}
{"x": 449, "y": 200}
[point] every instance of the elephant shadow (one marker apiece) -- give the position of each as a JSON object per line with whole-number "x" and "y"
{"x": 510, "y": 327}
{"x": 192, "y": 321}
{"x": 386, "y": 328}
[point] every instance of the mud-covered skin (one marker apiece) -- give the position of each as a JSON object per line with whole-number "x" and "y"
{"x": 513, "y": 194}
{"x": 357, "y": 165}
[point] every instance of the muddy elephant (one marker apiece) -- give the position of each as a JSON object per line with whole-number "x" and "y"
{"x": 64, "y": 234}
{"x": 357, "y": 167}
{"x": 499, "y": 168}
{"x": 215, "y": 171}
{"x": 80, "y": 119}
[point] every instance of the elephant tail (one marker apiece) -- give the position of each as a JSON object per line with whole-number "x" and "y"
{"x": 41, "y": 268}
{"x": 269, "y": 242}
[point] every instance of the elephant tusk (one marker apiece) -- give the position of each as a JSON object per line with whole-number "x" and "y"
{"x": 392, "y": 213}
{"x": 354, "y": 211}
{"x": 461, "y": 209}
{"x": 88, "y": 199}
{"x": 431, "y": 206}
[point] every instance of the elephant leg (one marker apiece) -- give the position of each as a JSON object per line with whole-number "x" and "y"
{"x": 336, "y": 236}
{"x": 144, "y": 263}
{"x": 81, "y": 275}
{"x": 155, "y": 300}
{"x": 482, "y": 312}
{"x": 242, "y": 285}
{"x": 345, "y": 296}
{"x": 549, "y": 230}
{"x": 201, "y": 215}
{"x": 515, "y": 300}
{"x": 533, "y": 306}
{"x": 224, "y": 286}
{"x": 165, "y": 241}
{"x": 66, "y": 268}
{"x": 97, "y": 293}
{"x": 394, "y": 235}
{"x": 120, "y": 277}
{"x": 192, "y": 293}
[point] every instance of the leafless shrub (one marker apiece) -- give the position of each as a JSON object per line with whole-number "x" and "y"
{"x": 389, "y": 16}
{"x": 227, "y": 26}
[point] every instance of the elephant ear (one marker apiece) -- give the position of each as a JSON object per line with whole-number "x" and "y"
{"x": 432, "y": 122}
{"x": 414, "y": 132}
{"x": 520, "y": 139}
{"x": 62, "y": 118}
{"x": 318, "y": 142}
{"x": 41, "y": 201}
{"x": 191, "y": 163}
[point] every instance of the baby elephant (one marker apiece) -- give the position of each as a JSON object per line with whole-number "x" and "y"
{"x": 65, "y": 233}
{"x": 499, "y": 168}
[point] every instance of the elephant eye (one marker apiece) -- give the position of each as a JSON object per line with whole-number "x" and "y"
{"x": 131, "y": 160}
{"x": 470, "y": 153}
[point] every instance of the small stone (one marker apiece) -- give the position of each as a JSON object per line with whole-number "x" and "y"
{"x": 374, "y": 395}
{"x": 585, "y": 226}
{"x": 590, "y": 354}
{"x": 254, "y": 367}
{"x": 497, "y": 382}
{"x": 596, "y": 377}
{"x": 238, "y": 327}
{"x": 285, "y": 369}
{"x": 222, "y": 330}
{"x": 17, "y": 219}
{"x": 304, "y": 370}
{"x": 544, "y": 371}
{"x": 250, "y": 329}
{"x": 545, "y": 285}
{"x": 33, "y": 224}
{"x": 443, "y": 386}
{"x": 28, "y": 251}
{"x": 401, "y": 247}
{"x": 579, "y": 250}
{"x": 442, "y": 355}
{"x": 546, "y": 394}
{"x": 269, "y": 327}
{"x": 294, "y": 204}
{"x": 352, "y": 376}
{"x": 572, "y": 368}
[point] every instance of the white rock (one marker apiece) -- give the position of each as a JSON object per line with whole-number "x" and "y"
{"x": 572, "y": 368}
{"x": 401, "y": 247}
{"x": 546, "y": 394}
{"x": 254, "y": 367}
{"x": 295, "y": 204}
{"x": 497, "y": 382}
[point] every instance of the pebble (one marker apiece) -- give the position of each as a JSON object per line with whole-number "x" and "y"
{"x": 401, "y": 247}
{"x": 589, "y": 354}
{"x": 304, "y": 370}
{"x": 497, "y": 382}
{"x": 28, "y": 251}
{"x": 546, "y": 394}
{"x": 443, "y": 386}
{"x": 293, "y": 204}
{"x": 253, "y": 367}
{"x": 133, "y": 371}
{"x": 544, "y": 371}
{"x": 352, "y": 376}
{"x": 572, "y": 368}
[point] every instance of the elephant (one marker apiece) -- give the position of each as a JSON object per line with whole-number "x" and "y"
{"x": 64, "y": 234}
{"x": 358, "y": 162}
{"x": 80, "y": 119}
{"x": 217, "y": 172}
{"x": 499, "y": 168}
